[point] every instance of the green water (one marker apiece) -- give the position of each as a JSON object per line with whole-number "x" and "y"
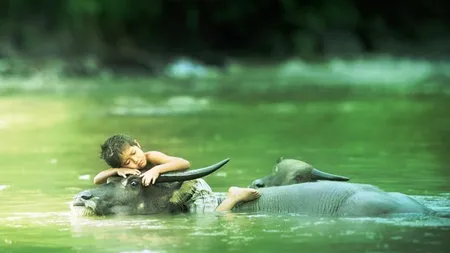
{"x": 50, "y": 144}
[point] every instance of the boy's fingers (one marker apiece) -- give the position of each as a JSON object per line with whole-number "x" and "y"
{"x": 145, "y": 181}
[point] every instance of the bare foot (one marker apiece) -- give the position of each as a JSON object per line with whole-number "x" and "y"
{"x": 236, "y": 195}
{"x": 242, "y": 194}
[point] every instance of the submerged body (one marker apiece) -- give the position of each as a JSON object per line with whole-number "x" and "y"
{"x": 326, "y": 198}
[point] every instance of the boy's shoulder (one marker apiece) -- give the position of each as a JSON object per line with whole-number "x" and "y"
{"x": 153, "y": 152}
{"x": 154, "y": 155}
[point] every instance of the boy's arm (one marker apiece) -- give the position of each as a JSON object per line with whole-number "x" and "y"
{"x": 102, "y": 177}
{"x": 164, "y": 163}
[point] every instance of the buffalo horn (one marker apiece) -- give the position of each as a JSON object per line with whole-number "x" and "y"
{"x": 190, "y": 174}
{"x": 320, "y": 175}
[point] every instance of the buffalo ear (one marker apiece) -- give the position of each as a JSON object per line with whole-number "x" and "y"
{"x": 114, "y": 179}
{"x": 281, "y": 158}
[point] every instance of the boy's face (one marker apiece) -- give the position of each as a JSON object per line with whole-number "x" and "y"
{"x": 134, "y": 158}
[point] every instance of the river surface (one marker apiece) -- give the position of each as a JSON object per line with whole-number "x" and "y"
{"x": 50, "y": 151}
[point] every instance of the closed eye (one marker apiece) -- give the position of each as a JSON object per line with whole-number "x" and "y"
{"x": 133, "y": 152}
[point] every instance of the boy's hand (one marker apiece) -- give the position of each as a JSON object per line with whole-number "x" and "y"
{"x": 149, "y": 176}
{"x": 123, "y": 172}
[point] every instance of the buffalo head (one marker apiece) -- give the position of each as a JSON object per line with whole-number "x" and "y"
{"x": 126, "y": 196}
{"x": 292, "y": 171}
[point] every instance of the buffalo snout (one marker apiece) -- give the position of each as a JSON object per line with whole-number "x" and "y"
{"x": 81, "y": 197}
{"x": 86, "y": 195}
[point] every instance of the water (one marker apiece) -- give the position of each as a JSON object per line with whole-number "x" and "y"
{"x": 50, "y": 146}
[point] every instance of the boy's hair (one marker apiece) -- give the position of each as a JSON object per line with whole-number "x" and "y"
{"x": 113, "y": 147}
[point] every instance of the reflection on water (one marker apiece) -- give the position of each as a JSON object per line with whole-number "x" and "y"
{"x": 50, "y": 145}
{"x": 229, "y": 232}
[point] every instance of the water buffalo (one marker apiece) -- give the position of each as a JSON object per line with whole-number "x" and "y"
{"x": 324, "y": 198}
{"x": 127, "y": 196}
{"x": 292, "y": 171}
{"x": 364, "y": 196}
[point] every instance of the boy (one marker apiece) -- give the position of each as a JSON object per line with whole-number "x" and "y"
{"x": 125, "y": 156}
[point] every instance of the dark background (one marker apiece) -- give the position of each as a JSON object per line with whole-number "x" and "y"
{"x": 147, "y": 34}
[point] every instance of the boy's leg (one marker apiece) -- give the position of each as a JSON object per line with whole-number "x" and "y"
{"x": 236, "y": 195}
{"x": 203, "y": 199}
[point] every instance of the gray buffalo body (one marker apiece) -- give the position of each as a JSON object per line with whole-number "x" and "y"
{"x": 341, "y": 199}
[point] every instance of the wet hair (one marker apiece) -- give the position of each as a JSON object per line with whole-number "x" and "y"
{"x": 112, "y": 148}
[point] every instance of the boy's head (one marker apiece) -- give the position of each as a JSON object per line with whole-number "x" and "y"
{"x": 122, "y": 151}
